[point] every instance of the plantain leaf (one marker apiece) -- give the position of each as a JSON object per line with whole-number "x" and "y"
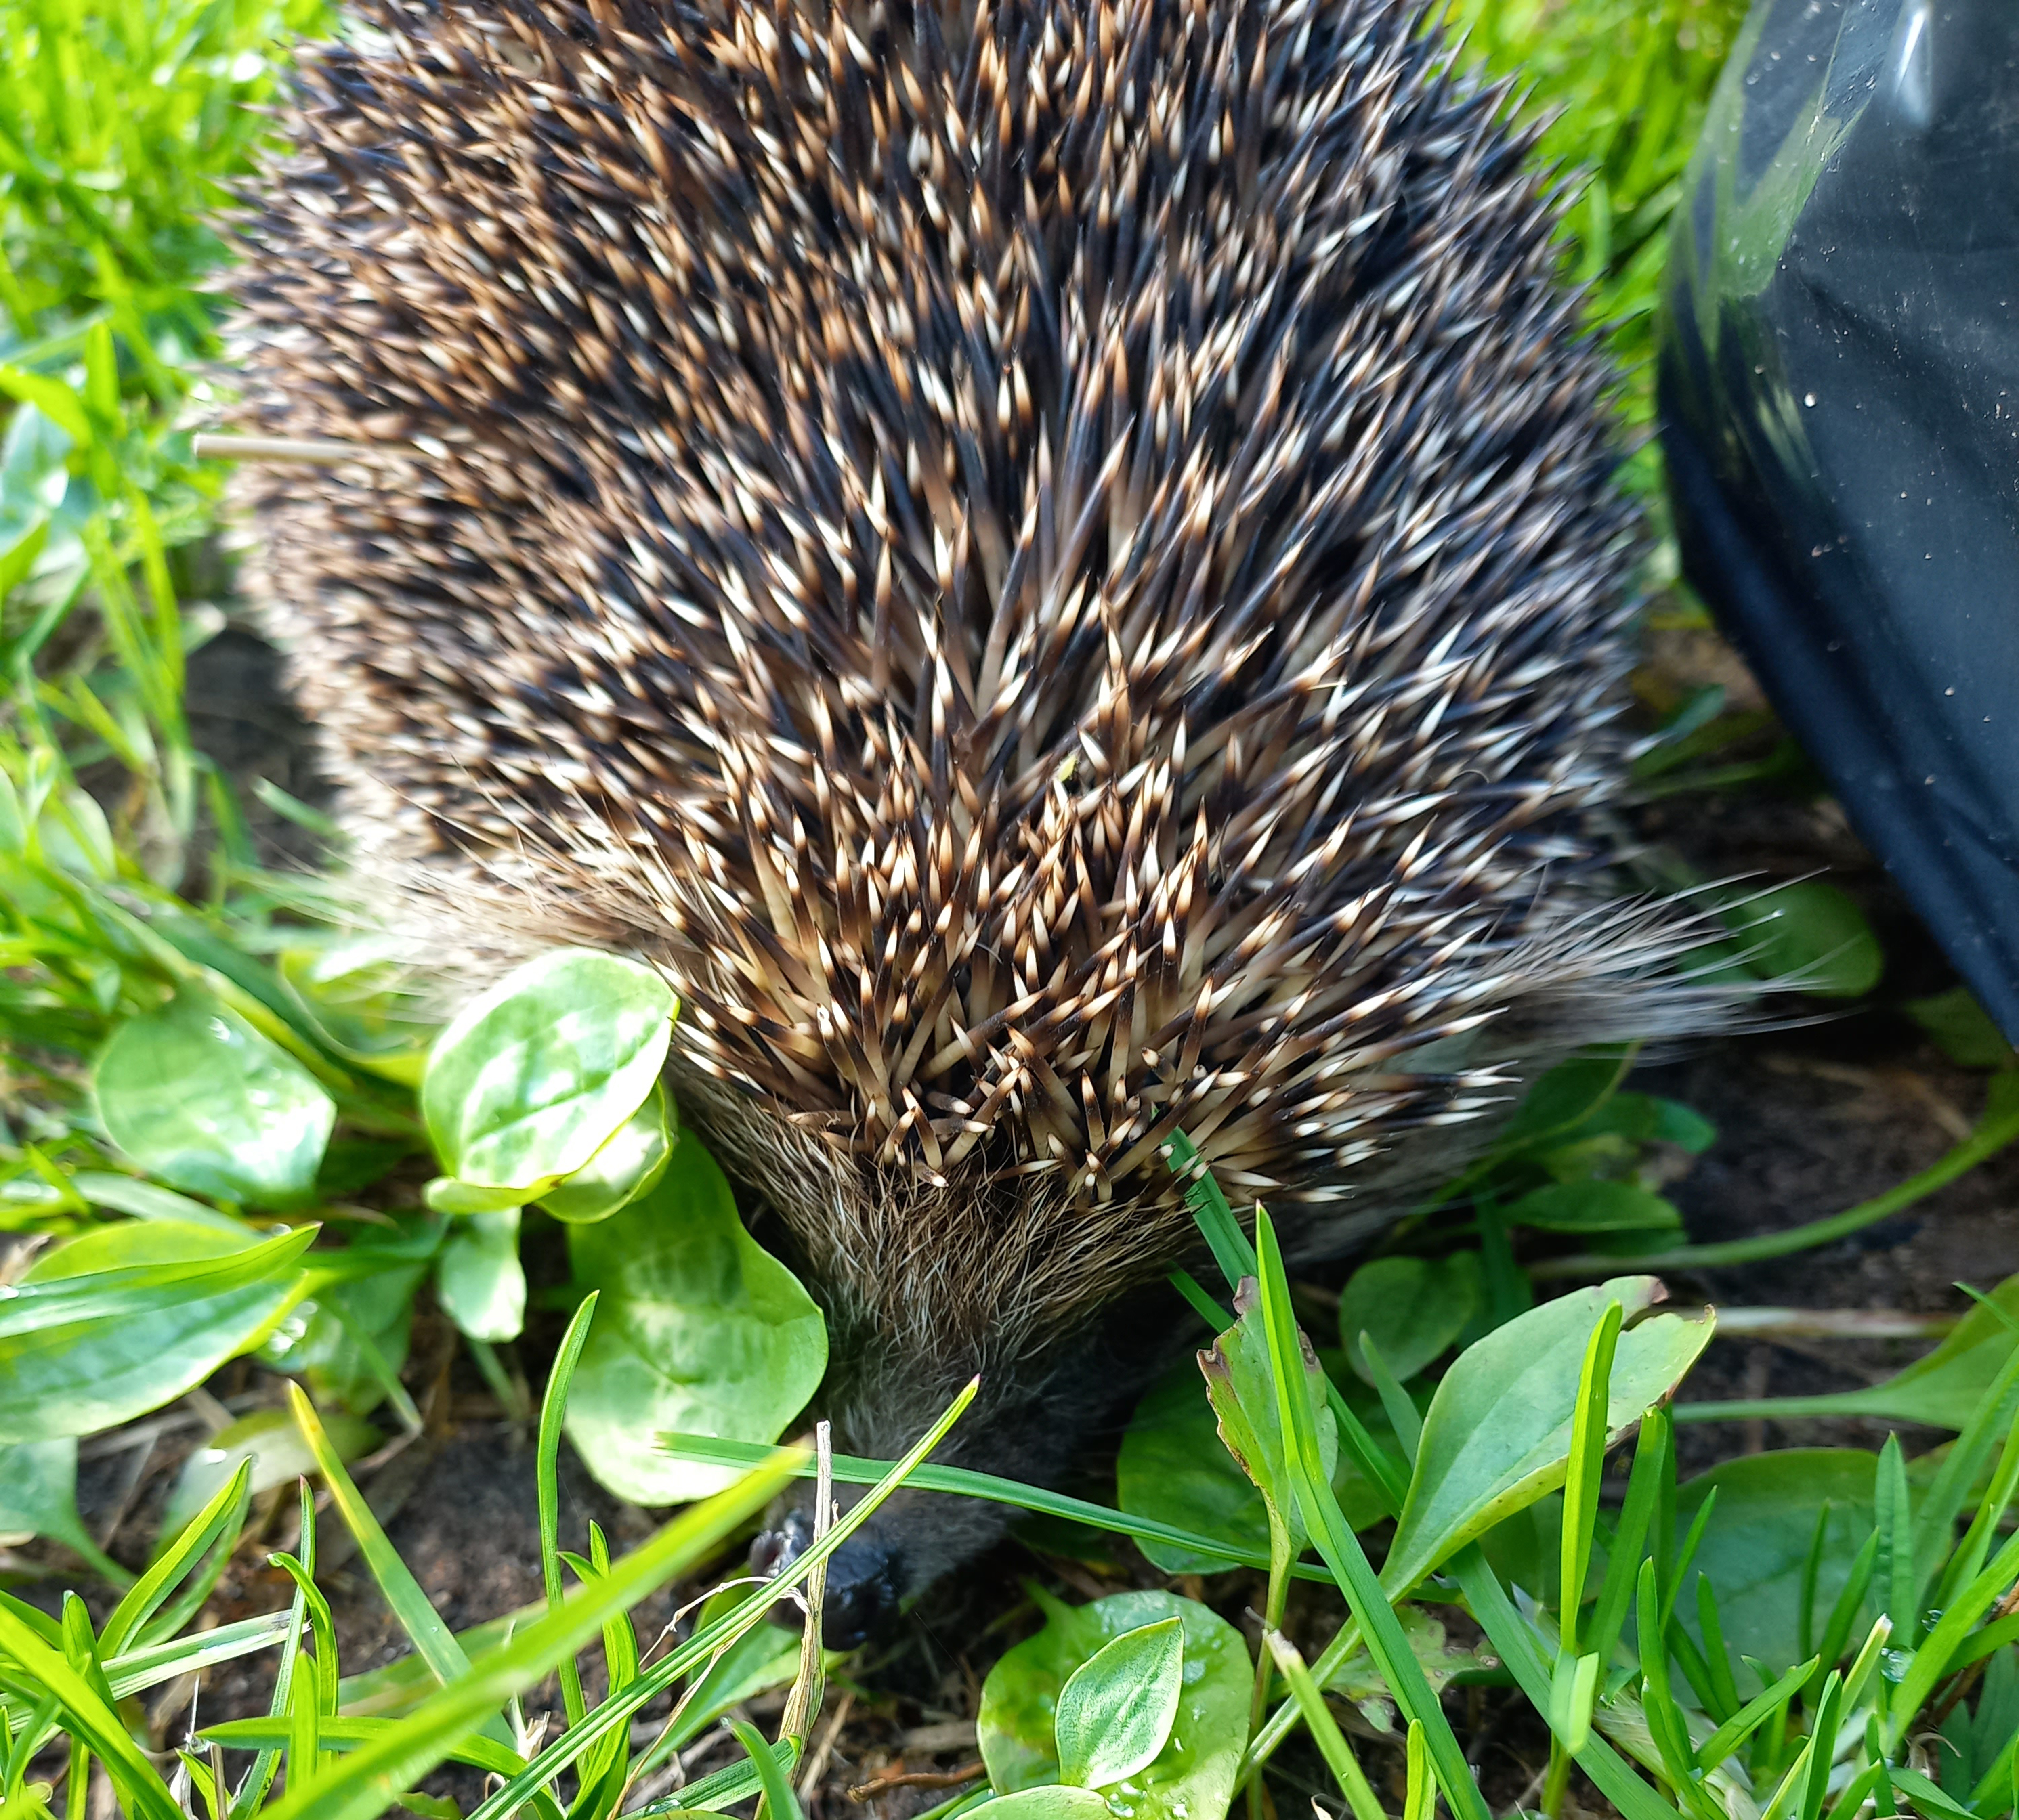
{"x": 1498, "y": 1435}
{"x": 128, "y": 1318}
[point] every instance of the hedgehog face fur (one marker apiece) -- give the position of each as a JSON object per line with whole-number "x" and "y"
{"x": 1050, "y": 561}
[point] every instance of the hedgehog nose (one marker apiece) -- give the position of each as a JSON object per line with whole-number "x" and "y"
{"x": 862, "y": 1579}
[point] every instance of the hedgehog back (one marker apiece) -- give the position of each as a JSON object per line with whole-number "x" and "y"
{"x": 1051, "y": 562}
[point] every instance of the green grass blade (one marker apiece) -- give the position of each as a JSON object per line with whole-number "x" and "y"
{"x": 359, "y": 1786}
{"x": 1741, "y": 1726}
{"x": 1931, "y": 1661}
{"x": 139, "y": 1670}
{"x": 1622, "y": 1564}
{"x": 1231, "y": 1249}
{"x": 251, "y": 1794}
{"x": 304, "y": 1746}
{"x": 341, "y": 1734}
{"x": 1666, "y": 1723}
{"x": 1997, "y": 1790}
{"x": 1822, "y": 1740}
{"x": 322, "y": 1632}
{"x": 778, "y": 1802}
{"x": 1340, "y": 1548}
{"x": 1513, "y": 1643}
{"x": 1419, "y": 1798}
{"x": 91, "y": 1723}
{"x": 1404, "y": 1417}
{"x": 1324, "y": 1729}
{"x": 1585, "y": 1467}
{"x": 616, "y": 1712}
{"x": 1995, "y": 1416}
{"x": 1724, "y": 1688}
{"x": 1812, "y": 1570}
{"x": 1672, "y": 1580}
{"x": 1967, "y": 1562}
{"x": 433, "y": 1638}
{"x": 1893, "y": 1520}
{"x": 726, "y": 1787}
{"x": 851, "y": 1469}
{"x": 1843, "y": 1613}
{"x": 554, "y": 1408}
{"x": 225, "y": 1511}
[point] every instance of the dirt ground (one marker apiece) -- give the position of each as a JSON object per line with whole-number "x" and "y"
{"x": 1811, "y": 1119}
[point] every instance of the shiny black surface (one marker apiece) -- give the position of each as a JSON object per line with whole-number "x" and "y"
{"x": 1841, "y": 410}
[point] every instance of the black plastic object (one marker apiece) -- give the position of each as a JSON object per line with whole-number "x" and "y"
{"x": 1839, "y": 391}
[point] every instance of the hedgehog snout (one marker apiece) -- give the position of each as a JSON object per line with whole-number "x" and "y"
{"x": 864, "y": 1577}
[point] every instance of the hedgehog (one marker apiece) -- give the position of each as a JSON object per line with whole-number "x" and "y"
{"x": 1055, "y": 564}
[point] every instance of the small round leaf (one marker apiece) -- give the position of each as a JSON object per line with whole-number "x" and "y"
{"x": 629, "y": 1165}
{"x": 478, "y": 1278}
{"x": 532, "y": 1079}
{"x": 1116, "y": 1709}
{"x": 1414, "y": 1308}
{"x": 198, "y": 1098}
{"x": 1192, "y": 1778}
{"x": 699, "y": 1329}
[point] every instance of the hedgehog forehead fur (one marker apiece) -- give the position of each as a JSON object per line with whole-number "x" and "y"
{"x": 1051, "y": 562}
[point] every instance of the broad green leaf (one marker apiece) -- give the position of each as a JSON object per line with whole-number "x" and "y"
{"x": 533, "y": 1077}
{"x": 323, "y": 1340}
{"x": 625, "y": 1168}
{"x": 1415, "y": 1309}
{"x": 1942, "y": 1389}
{"x": 1757, "y": 1541}
{"x": 1811, "y": 937}
{"x": 1564, "y": 1097}
{"x": 1497, "y": 1435}
{"x": 1193, "y": 1776}
{"x": 1593, "y": 1206}
{"x": 1173, "y": 1468}
{"x": 38, "y": 1497}
{"x": 127, "y": 1318}
{"x": 1962, "y": 1029}
{"x": 1240, "y": 1382}
{"x": 269, "y": 1439}
{"x": 195, "y": 1095}
{"x": 1117, "y": 1708}
{"x": 478, "y": 1278}
{"x": 351, "y": 994}
{"x": 1052, "y": 1801}
{"x": 699, "y": 1328}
